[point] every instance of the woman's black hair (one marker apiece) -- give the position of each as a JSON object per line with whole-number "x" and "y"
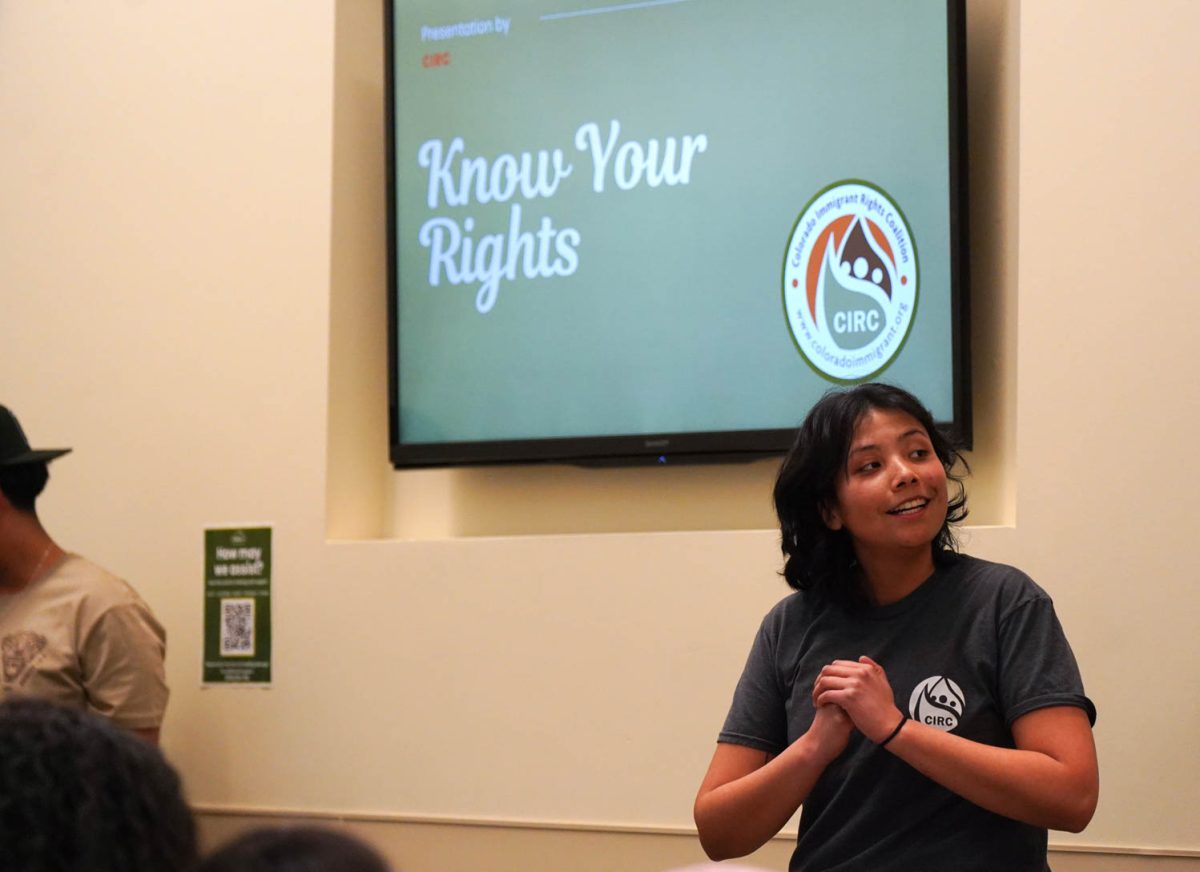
{"x": 822, "y": 560}
{"x": 23, "y": 484}
{"x": 77, "y": 792}
{"x": 295, "y": 849}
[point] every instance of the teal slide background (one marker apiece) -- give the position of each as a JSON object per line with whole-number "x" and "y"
{"x": 673, "y": 320}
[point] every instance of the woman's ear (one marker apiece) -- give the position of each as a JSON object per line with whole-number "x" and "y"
{"x": 830, "y": 516}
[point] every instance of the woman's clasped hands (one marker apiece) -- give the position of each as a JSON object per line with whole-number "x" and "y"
{"x": 860, "y": 692}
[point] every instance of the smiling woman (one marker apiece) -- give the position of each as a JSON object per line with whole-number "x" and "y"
{"x": 891, "y": 499}
{"x": 867, "y": 426}
{"x": 923, "y": 706}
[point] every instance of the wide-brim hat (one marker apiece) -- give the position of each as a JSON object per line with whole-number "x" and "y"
{"x": 14, "y": 447}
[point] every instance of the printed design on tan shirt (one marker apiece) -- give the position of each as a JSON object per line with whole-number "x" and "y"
{"x": 19, "y": 650}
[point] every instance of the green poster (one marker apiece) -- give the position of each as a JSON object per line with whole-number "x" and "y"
{"x": 237, "y": 605}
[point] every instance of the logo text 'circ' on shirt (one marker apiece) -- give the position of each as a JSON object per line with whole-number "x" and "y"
{"x": 938, "y": 702}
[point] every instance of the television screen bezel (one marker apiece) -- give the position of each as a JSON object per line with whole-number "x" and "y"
{"x": 725, "y": 446}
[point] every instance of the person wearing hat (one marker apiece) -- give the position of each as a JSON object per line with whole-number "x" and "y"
{"x": 70, "y": 632}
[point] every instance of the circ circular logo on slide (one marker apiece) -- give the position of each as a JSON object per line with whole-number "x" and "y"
{"x": 850, "y": 281}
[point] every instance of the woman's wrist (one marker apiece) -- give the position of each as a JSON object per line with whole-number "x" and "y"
{"x": 895, "y": 731}
{"x": 821, "y": 749}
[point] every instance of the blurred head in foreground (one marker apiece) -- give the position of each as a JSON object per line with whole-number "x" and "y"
{"x": 77, "y": 793}
{"x": 295, "y": 849}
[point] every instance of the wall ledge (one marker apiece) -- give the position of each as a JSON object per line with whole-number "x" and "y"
{"x": 356, "y": 816}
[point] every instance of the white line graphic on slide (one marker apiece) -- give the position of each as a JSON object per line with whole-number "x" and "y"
{"x": 601, "y": 10}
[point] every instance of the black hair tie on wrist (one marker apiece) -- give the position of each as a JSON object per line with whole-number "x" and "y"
{"x": 895, "y": 732}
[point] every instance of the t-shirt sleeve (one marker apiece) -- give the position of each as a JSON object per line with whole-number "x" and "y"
{"x": 122, "y": 661}
{"x": 757, "y": 717}
{"x": 1037, "y": 666}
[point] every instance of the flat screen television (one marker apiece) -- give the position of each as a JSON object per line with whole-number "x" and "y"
{"x": 658, "y": 231}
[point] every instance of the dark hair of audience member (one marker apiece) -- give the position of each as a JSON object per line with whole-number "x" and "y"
{"x": 295, "y": 849}
{"x": 78, "y": 793}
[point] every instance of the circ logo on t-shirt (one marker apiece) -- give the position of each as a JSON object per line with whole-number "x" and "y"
{"x": 938, "y": 702}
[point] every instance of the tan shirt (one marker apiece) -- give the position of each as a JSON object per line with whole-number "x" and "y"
{"x": 83, "y": 638}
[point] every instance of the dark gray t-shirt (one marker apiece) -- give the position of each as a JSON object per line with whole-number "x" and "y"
{"x": 971, "y": 650}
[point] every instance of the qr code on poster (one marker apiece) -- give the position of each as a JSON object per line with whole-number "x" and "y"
{"x": 237, "y": 628}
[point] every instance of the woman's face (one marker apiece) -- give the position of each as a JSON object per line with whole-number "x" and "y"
{"x": 892, "y": 494}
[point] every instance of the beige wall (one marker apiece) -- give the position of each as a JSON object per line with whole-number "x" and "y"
{"x": 192, "y": 270}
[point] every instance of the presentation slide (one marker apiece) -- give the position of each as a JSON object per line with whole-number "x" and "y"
{"x": 666, "y": 216}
